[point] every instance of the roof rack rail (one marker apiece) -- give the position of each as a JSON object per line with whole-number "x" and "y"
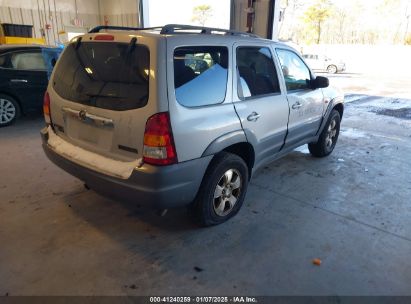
{"x": 183, "y": 29}
{"x": 174, "y": 29}
{"x": 99, "y": 28}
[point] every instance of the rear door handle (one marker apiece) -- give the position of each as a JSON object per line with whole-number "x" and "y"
{"x": 19, "y": 80}
{"x": 253, "y": 116}
{"x": 297, "y": 105}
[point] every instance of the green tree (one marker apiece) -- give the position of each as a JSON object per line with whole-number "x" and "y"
{"x": 316, "y": 15}
{"x": 202, "y": 13}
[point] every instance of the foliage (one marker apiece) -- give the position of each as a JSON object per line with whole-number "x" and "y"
{"x": 316, "y": 15}
{"x": 345, "y": 22}
{"x": 202, "y": 13}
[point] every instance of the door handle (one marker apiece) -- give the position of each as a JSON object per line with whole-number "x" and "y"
{"x": 253, "y": 116}
{"x": 19, "y": 80}
{"x": 297, "y": 105}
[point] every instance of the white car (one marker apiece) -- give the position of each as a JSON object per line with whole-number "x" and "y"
{"x": 324, "y": 63}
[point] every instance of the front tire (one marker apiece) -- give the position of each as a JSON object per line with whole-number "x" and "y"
{"x": 9, "y": 110}
{"x": 222, "y": 191}
{"x": 332, "y": 69}
{"x": 328, "y": 137}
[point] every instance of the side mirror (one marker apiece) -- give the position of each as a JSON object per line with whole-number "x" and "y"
{"x": 320, "y": 82}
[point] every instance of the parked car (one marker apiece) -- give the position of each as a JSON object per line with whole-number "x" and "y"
{"x": 324, "y": 63}
{"x": 24, "y": 72}
{"x": 127, "y": 114}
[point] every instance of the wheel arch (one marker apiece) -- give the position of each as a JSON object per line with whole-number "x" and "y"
{"x": 236, "y": 143}
{"x": 340, "y": 108}
{"x": 332, "y": 65}
{"x": 246, "y": 151}
{"x": 335, "y": 104}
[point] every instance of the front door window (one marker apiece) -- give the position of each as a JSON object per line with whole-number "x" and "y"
{"x": 296, "y": 74}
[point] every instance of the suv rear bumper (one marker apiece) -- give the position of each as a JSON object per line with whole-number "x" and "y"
{"x": 159, "y": 186}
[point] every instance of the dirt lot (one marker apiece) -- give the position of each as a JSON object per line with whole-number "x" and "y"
{"x": 352, "y": 210}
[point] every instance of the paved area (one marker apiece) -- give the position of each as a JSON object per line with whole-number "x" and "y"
{"x": 352, "y": 210}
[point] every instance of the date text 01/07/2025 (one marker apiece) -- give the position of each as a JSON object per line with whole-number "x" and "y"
{"x": 200, "y": 299}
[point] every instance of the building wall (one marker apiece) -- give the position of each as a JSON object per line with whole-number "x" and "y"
{"x": 261, "y": 7}
{"x": 119, "y": 12}
{"x": 68, "y": 15}
{"x": 59, "y": 14}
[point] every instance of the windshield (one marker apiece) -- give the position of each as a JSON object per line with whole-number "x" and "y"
{"x": 106, "y": 75}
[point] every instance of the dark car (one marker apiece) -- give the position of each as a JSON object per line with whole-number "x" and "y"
{"x": 24, "y": 73}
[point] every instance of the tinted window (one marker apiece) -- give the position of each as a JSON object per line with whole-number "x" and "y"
{"x": 200, "y": 75}
{"x": 3, "y": 61}
{"x": 104, "y": 74}
{"x": 28, "y": 61}
{"x": 295, "y": 72}
{"x": 256, "y": 72}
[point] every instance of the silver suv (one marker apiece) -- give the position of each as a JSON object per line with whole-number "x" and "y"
{"x": 182, "y": 115}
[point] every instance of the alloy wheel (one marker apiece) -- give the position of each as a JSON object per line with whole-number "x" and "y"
{"x": 7, "y": 111}
{"x": 331, "y": 134}
{"x": 227, "y": 192}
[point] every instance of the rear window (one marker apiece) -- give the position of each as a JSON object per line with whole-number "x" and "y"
{"x": 106, "y": 75}
{"x": 200, "y": 75}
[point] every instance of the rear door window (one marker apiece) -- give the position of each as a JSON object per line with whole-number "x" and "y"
{"x": 106, "y": 75}
{"x": 3, "y": 61}
{"x": 28, "y": 61}
{"x": 257, "y": 74}
{"x": 200, "y": 75}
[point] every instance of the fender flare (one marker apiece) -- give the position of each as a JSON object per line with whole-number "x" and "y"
{"x": 331, "y": 106}
{"x": 225, "y": 141}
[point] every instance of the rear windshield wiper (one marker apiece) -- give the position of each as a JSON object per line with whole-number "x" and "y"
{"x": 132, "y": 45}
{"x": 78, "y": 42}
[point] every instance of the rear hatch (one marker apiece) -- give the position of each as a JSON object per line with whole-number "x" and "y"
{"x": 100, "y": 94}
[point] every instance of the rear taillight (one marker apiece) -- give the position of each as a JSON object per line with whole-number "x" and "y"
{"x": 159, "y": 146}
{"x": 46, "y": 108}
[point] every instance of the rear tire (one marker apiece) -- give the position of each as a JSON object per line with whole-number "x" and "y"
{"x": 328, "y": 137}
{"x": 9, "y": 110}
{"x": 222, "y": 191}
